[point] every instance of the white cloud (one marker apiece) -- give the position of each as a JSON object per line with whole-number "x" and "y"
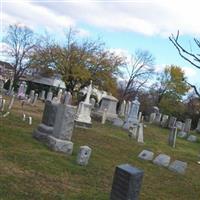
{"x": 148, "y": 17}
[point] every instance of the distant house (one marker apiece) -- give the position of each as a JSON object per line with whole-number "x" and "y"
{"x": 6, "y": 71}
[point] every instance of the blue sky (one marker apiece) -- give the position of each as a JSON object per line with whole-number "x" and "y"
{"x": 123, "y": 25}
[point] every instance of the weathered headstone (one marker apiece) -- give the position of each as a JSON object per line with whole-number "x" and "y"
{"x": 127, "y": 108}
{"x": 67, "y": 98}
{"x": 133, "y": 114}
{"x": 133, "y": 130}
{"x": 104, "y": 116}
{"x": 118, "y": 122}
{"x": 192, "y": 138}
{"x": 187, "y": 125}
{"x": 158, "y": 118}
{"x": 42, "y": 95}
{"x": 172, "y": 122}
{"x": 152, "y": 117}
{"x": 164, "y": 121}
{"x": 49, "y": 96}
{"x": 140, "y": 136}
{"x": 178, "y": 166}
{"x": 179, "y": 125}
{"x": 122, "y": 108}
{"x": 35, "y": 99}
{"x": 127, "y": 182}
{"x": 182, "y": 134}
{"x": 10, "y": 105}
{"x": 146, "y": 155}
{"x": 84, "y": 155}
{"x": 22, "y": 90}
{"x": 162, "y": 160}
{"x": 172, "y": 137}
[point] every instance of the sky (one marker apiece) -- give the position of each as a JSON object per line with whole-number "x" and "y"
{"x": 124, "y": 26}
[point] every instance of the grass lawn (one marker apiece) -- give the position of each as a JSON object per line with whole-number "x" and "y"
{"x": 29, "y": 170}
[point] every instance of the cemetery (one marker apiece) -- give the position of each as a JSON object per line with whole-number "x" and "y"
{"x": 99, "y": 100}
{"x": 50, "y": 157}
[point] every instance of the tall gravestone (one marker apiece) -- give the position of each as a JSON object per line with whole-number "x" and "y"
{"x": 133, "y": 114}
{"x": 22, "y": 90}
{"x": 172, "y": 137}
{"x": 127, "y": 109}
{"x": 152, "y": 117}
{"x": 127, "y": 182}
{"x": 172, "y": 122}
{"x": 83, "y": 117}
{"x": 122, "y": 108}
{"x": 187, "y": 125}
{"x": 158, "y": 118}
{"x": 49, "y": 96}
{"x": 164, "y": 121}
{"x": 57, "y": 127}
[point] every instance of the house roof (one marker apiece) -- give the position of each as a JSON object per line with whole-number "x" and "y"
{"x": 6, "y": 65}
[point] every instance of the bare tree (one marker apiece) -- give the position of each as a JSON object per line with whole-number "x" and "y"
{"x": 188, "y": 55}
{"x": 139, "y": 71}
{"x": 20, "y": 42}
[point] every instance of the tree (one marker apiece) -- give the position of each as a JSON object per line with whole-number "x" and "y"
{"x": 139, "y": 71}
{"x": 170, "y": 88}
{"x": 20, "y": 42}
{"x": 188, "y": 55}
{"x": 78, "y": 62}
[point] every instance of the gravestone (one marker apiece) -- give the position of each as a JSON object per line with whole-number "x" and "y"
{"x": 140, "y": 136}
{"x": 133, "y": 130}
{"x": 164, "y": 121}
{"x": 35, "y": 99}
{"x": 84, "y": 155}
{"x": 146, "y": 155}
{"x": 57, "y": 127}
{"x": 31, "y": 96}
{"x": 92, "y": 102}
{"x": 158, "y": 118}
{"x": 182, "y": 134}
{"x": 179, "y": 125}
{"x": 178, "y": 166}
{"x": 104, "y": 116}
{"x": 83, "y": 118}
{"x": 152, "y": 117}
{"x": 22, "y": 90}
{"x": 172, "y": 122}
{"x": 122, "y": 108}
{"x": 140, "y": 117}
{"x": 198, "y": 126}
{"x": 127, "y": 109}
{"x": 162, "y": 160}
{"x": 110, "y": 103}
{"x": 187, "y": 125}
{"x": 42, "y": 95}
{"x": 49, "y": 96}
{"x": 192, "y": 138}
{"x": 133, "y": 114}
{"x": 64, "y": 122}
{"x": 10, "y": 105}
{"x": 127, "y": 182}
{"x": 118, "y": 122}
{"x": 172, "y": 137}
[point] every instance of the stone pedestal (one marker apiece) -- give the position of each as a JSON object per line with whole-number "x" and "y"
{"x": 84, "y": 155}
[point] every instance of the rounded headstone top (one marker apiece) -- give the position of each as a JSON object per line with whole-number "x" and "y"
{"x": 110, "y": 97}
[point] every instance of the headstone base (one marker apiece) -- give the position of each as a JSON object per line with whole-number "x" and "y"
{"x": 83, "y": 124}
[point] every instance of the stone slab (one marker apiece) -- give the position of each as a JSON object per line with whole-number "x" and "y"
{"x": 59, "y": 145}
{"x": 162, "y": 160}
{"x": 192, "y": 138}
{"x": 146, "y": 155}
{"x": 178, "y": 166}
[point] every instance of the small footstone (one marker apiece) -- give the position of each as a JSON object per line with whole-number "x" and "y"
{"x": 84, "y": 155}
{"x": 192, "y": 138}
{"x": 178, "y": 166}
{"x": 118, "y": 122}
{"x": 59, "y": 145}
{"x": 162, "y": 160}
{"x": 182, "y": 134}
{"x": 146, "y": 155}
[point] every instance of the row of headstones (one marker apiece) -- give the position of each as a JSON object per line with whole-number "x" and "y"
{"x": 5, "y": 109}
{"x": 169, "y": 122}
{"x": 164, "y": 161}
